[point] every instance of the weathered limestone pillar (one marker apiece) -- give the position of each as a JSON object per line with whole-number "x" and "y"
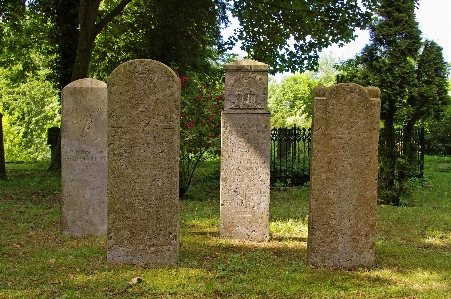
{"x": 343, "y": 176}
{"x": 143, "y": 163}
{"x": 83, "y": 158}
{"x": 245, "y": 152}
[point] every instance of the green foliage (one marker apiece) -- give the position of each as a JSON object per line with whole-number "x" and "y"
{"x": 63, "y": 37}
{"x": 412, "y": 76}
{"x": 200, "y": 123}
{"x": 438, "y": 135}
{"x": 187, "y": 34}
{"x": 28, "y": 102}
{"x": 290, "y": 100}
{"x": 182, "y": 33}
{"x": 23, "y": 32}
{"x": 431, "y": 97}
{"x": 205, "y": 182}
{"x": 29, "y": 108}
{"x": 288, "y": 34}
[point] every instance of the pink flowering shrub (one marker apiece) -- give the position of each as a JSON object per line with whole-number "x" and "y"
{"x": 200, "y": 124}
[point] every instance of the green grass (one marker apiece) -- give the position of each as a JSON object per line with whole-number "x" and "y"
{"x": 413, "y": 248}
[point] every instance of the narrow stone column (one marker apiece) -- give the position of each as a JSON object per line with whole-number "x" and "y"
{"x": 343, "y": 176}
{"x": 143, "y": 163}
{"x": 245, "y": 152}
{"x": 83, "y": 158}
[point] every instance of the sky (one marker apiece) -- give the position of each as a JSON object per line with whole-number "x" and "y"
{"x": 433, "y": 16}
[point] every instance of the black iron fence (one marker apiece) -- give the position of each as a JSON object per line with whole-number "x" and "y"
{"x": 418, "y": 142}
{"x": 290, "y": 154}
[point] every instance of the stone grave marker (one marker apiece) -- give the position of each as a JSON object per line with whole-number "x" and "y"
{"x": 83, "y": 158}
{"x": 53, "y": 134}
{"x": 245, "y": 153}
{"x": 343, "y": 176}
{"x": 143, "y": 163}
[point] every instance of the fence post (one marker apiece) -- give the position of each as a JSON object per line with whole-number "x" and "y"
{"x": 2, "y": 152}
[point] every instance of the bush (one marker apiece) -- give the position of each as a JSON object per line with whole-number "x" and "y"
{"x": 438, "y": 136}
{"x": 200, "y": 123}
{"x": 29, "y": 108}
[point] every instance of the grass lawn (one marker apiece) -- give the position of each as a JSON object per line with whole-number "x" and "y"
{"x": 413, "y": 248}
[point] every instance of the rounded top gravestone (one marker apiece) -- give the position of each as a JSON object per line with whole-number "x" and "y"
{"x": 143, "y": 162}
{"x": 83, "y": 157}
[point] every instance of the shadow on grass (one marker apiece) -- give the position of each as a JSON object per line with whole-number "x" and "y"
{"x": 44, "y": 264}
{"x": 412, "y": 256}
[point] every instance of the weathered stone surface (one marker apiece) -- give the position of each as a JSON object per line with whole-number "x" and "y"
{"x": 343, "y": 176}
{"x": 83, "y": 158}
{"x": 143, "y": 163}
{"x": 245, "y": 153}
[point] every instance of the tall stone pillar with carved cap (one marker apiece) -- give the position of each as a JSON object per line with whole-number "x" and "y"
{"x": 245, "y": 152}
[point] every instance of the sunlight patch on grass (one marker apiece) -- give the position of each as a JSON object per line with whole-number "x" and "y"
{"x": 439, "y": 238}
{"x": 413, "y": 255}
{"x": 422, "y": 281}
{"x": 289, "y": 229}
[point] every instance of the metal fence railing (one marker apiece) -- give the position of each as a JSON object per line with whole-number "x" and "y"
{"x": 418, "y": 142}
{"x": 290, "y": 156}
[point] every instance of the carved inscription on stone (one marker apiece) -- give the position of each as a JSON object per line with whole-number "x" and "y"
{"x": 245, "y": 153}
{"x": 343, "y": 176}
{"x": 84, "y": 158}
{"x": 245, "y": 177}
{"x": 246, "y": 86}
{"x": 247, "y": 92}
{"x": 143, "y": 163}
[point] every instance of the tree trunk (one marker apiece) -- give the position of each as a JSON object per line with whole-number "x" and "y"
{"x": 388, "y": 155}
{"x": 88, "y": 31}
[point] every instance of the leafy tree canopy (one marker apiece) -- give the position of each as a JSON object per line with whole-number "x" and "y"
{"x": 287, "y": 35}
{"x": 179, "y": 33}
{"x": 284, "y": 34}
{"x": 290, "y": 100}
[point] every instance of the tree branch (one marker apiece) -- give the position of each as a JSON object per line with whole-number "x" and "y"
{"x": 111, "y": 15}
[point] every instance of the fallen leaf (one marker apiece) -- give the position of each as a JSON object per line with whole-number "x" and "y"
{"x": 70, "y": 276}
